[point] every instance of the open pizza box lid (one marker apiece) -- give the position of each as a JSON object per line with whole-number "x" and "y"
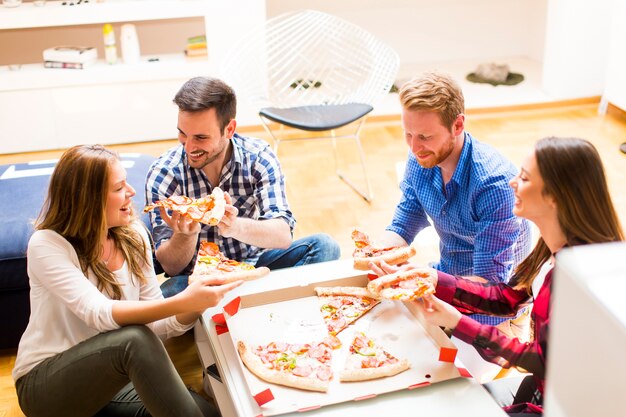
{"x": 293, "y": 315}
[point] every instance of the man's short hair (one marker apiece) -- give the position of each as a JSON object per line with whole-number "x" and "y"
{"x": 204, "y": 93}
{"x": 436, "y": 92}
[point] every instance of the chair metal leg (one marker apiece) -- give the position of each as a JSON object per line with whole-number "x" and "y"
{"x": 366, "y": 196}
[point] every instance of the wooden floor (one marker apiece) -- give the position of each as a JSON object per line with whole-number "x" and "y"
{"x": 321, "y": 202}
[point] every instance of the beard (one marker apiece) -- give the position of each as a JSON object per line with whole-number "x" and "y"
{"x": 208, "y": 158}
{"x": 437, "y": 157}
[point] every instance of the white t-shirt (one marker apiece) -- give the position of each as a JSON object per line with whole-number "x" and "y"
{"x": 67, "y": 308}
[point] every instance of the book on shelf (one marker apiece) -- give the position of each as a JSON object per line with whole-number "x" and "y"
{"x": 196, "y": 46}
{"x": 69, "y": 65}
{"x": 196, "y": 52}
{"x": 71, "y": 54}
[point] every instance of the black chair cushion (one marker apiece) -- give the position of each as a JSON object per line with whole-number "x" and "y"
{"x": 23, "y": 188}
{"x": 317, "y": 118}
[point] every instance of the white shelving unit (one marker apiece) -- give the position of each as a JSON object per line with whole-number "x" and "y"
{"x": 43, "y": 108}
{"x": 54, "y": 13}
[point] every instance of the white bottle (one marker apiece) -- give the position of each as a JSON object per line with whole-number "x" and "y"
{"x": 130, "y": 44}
{"x": 110, "y": 50}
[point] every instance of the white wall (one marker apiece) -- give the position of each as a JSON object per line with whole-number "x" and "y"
{"x": 576, "y": 47}
{"x": 615, "y": 91}
{"x": 442, "y": 30}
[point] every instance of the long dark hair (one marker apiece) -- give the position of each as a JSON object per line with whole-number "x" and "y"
{"x": 573, "y": 175}
{"x": 75, "y": 209}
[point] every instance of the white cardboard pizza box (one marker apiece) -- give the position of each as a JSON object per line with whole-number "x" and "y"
{"x": 292, "y": 315}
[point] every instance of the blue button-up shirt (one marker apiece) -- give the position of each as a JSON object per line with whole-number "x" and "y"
{"x": 252, "y": 177}
{"x": 479, "y": 235}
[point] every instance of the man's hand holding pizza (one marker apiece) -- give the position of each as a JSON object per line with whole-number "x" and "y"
{"x": 228, "y": 225}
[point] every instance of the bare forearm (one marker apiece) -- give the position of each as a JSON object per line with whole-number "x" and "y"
{"x": 271, "y": 233}
{"x": 126, "y": 312}
{"x": 176, "y": 253}
{"x": 389, "y": 238}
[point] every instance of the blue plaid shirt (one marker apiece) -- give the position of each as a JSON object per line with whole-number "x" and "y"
{"x": 252, "y": 177}
{"x": 479, "y": 235}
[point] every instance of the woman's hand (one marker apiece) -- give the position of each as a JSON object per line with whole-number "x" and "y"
{"x": 207, "y": 292}
{"x": 439, "y": 312}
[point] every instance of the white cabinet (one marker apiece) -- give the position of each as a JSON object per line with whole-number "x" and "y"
{"x": 55, "y": 108}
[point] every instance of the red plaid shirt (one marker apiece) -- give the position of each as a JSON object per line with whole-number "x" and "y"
{"x": 502, "y": 300}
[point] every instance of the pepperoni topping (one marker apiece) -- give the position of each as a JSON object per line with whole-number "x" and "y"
{"x": 302, "y": 370}
{"x": 324, "y": 373}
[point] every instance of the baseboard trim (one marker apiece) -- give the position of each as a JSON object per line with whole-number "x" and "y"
{"x": 594, "y": 100}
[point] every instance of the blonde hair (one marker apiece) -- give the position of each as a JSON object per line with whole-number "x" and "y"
{"x": 75, "y": 208}
{"x": 436, "y": 92}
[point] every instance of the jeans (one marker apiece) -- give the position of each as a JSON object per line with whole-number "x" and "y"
{"x": 309, "y": 250}
{"x": 92, "y": 378}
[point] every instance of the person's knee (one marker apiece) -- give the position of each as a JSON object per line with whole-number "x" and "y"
{"x": 138, "y": 338}
{"x": 326, "y": 247}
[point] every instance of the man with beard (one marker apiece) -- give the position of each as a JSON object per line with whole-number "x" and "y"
{"x": 257, "y": 226}
{"x": 459, "y": 183}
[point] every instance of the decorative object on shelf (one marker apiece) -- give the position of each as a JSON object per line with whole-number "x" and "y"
{"x": 130, "y": 44}
{"x": 494, "y": 74}
{"x": 11, "y": 3}
{"x": 68, "y": 65}
{"x": 196, "y": 46}
{"x": 110, "y": 50}
{"x": 71, "y": 54}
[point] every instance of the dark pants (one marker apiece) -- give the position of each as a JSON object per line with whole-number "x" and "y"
{"x": 309, "y": 250}
{"x": 515, "y": 390}
{"x": 105, "y": 376}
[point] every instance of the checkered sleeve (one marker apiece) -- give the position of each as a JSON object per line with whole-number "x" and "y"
{"x": 497, "y": 230}
{"x": 409, "y": 218}
{"x": 491, "y": 298}
{"x": 160, "y": 183}
{"x": 270, "y": 188}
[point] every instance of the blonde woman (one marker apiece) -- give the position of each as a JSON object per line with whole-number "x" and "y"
{"x": 92, "y": 343}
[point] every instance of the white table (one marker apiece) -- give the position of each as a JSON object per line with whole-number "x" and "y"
{"x": 460, "y": 396}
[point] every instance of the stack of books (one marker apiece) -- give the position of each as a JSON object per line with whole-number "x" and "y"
{"x": 73, "y": 57}
{"x": 196, "y": 46}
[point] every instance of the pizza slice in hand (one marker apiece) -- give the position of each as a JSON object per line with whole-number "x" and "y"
{"x": 304, "y": 366}
{"x": 405, "y": 285}
{"x": 212, "y": 262}
{"x": 368, "y": 360}
{"x": 342, "y": 306}
{"x": 208, "y": 210}
{"x": 365, "y": 252}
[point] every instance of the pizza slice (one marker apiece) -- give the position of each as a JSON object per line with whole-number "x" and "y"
{"x": 405, "y": 285}
{"x": 304, "y": 366}
{"x": 211, "y": 262}
{"x": 368, "y": 360}
{"x": 208, "y": 210}
{"x": 365, "y": 252}
{"x": 342, "y": 306}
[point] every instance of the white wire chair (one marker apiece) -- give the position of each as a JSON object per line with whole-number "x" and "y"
{"x": 314, "y": 72}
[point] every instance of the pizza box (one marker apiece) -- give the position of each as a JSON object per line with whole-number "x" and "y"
{"x": 291, "y": 314}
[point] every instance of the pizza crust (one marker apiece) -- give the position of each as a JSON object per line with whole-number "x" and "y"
{"x": 364, "y": 374}
{"x": 395, "y": 257}
{"x": 213, "y": 216}
{"x": 377, "y": 286}
{"x": 245, "y": 275}
{"x": 355, "y": 291}
{"x": 256, "y": 366}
